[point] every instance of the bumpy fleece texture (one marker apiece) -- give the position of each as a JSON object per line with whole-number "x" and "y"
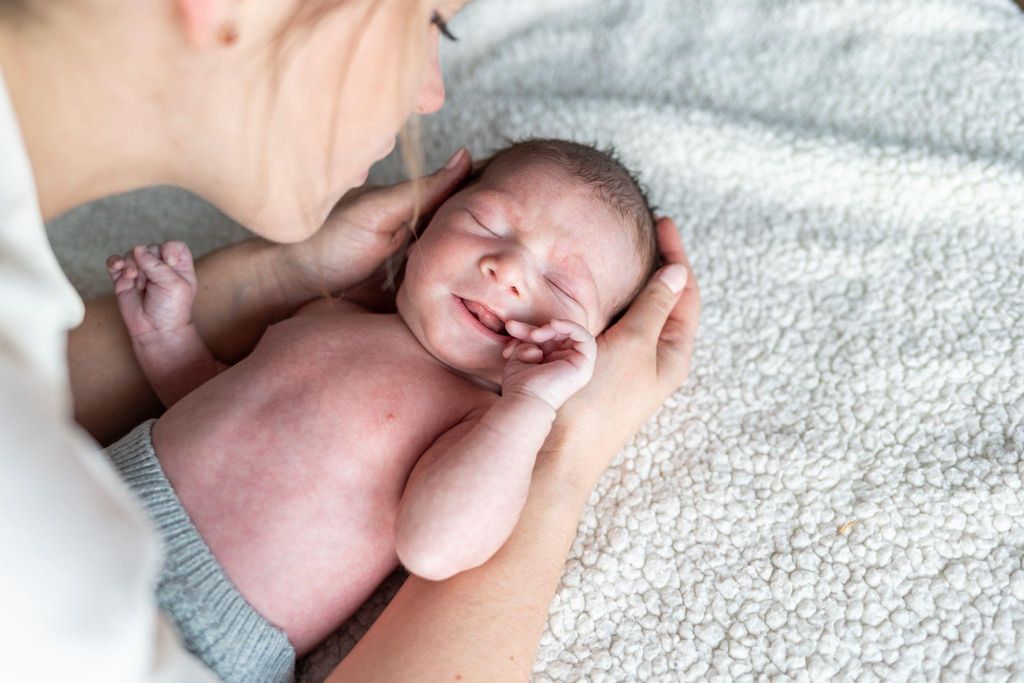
{"x": 836, "y": 491}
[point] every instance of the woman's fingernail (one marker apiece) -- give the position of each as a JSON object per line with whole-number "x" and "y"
{"x": 455, "y": 159}
{"x": 674, "y": 277}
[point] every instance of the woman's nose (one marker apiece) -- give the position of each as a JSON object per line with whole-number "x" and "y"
{"x": 507, "y": 272}
{"x": 431, "y": 95}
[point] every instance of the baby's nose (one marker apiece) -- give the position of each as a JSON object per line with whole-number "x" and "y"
{"x": 506, "y": 273}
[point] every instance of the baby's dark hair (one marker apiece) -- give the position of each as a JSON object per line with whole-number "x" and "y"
{"x": 611, "y": 182}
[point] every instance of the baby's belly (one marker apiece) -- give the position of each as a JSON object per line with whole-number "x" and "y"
{"x": 295, "y": 487}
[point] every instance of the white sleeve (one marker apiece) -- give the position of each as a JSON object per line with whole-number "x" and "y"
{"x": 79, "y": 558}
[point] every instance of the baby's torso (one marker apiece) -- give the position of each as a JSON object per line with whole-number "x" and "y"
{"x": 293, "y": 462}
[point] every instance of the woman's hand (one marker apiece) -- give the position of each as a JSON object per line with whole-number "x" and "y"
{"x": 367, "y": 226}
{"x": 641, "y": 361}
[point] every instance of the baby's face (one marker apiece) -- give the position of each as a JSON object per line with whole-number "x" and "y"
{"x": 526, "y": 242}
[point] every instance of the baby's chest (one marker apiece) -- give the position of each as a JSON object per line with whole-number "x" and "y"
{"x": 383, "y": 400}
{"x": 362, "y": 408}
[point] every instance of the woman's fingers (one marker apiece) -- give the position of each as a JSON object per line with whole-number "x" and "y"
{"x": 398, "y": 203}
{"x": 675, "y": 343}
{"x": 647, "y": 314}
{"x": 666, "y": 311}
{"x": 670, "y": 244}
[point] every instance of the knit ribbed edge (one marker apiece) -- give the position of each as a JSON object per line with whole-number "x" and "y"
{"x": 215, "y": 621}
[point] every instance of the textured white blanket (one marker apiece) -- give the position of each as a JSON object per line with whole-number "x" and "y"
{"x": 836, "y": 492}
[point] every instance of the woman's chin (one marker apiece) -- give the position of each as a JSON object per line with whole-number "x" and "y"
{"x": 295, "y": 223}
{"x": 285, "y": 227}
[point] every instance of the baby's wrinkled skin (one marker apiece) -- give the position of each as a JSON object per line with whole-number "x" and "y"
{"x": 301, "y": 465}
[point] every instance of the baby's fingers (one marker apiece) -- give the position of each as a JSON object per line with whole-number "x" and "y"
{"x": 510, "y": 348}
{"x": 176, "y": 254}
{"x": 153, "y": 266}
{"x": 115, "y": 264}
{"x": 571, "y": 330}
{"x": 519, "y": 329}
{"x": 570, "y": 341}
{"x": 117, "y": 269}
{"x": 125, "y": 274}
{"x": 528, "y": 353}
{"x": 528, "y": 332}
{"x": 522, "y": 351}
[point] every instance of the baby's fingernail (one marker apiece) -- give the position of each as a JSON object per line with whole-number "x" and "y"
{"x": 455, "y": 159}
{"x": 171, "y": 259}
{"x": 674, "y": 277}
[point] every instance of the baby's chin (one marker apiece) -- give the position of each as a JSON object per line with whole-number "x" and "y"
{"x": 481, "y": 369}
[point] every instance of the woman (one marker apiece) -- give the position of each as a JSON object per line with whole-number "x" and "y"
{"x": 271, "y": 111}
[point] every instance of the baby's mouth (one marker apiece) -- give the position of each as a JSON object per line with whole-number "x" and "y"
{"x": 486, "y": 317}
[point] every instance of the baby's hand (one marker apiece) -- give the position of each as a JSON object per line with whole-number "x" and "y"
{"x": 155, "y": 287}
{"x": 552, "y": 362}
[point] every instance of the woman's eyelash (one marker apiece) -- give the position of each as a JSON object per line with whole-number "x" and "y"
{"x": 438, "y": 21}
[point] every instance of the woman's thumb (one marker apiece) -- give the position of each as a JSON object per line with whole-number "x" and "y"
{"x": 438, "y": 186}
{"x": 648, "y": 313}
{"x": 423, "y": 195}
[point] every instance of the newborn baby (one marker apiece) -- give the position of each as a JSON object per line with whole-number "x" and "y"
{"x": 350, "y": 441}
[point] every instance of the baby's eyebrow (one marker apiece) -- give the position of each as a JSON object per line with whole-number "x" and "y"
{"x": 502, "y": 201}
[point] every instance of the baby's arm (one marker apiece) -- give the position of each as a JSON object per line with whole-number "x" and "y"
{"x": 464, "y": 496}
{"x": 155, "y": 288}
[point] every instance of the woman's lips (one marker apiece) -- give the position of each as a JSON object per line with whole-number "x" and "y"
{"x": 464, "y": 306}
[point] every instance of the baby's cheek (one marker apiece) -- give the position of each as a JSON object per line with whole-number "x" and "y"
{"x": 584, "y": 319}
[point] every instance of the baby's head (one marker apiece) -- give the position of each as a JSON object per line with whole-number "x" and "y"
{"x": 544, "y": 229}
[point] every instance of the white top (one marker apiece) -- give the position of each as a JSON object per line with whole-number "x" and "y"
{"x": 78, "y": 557}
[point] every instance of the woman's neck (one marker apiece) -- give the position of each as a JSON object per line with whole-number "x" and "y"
{"x": 87, "y": 120}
